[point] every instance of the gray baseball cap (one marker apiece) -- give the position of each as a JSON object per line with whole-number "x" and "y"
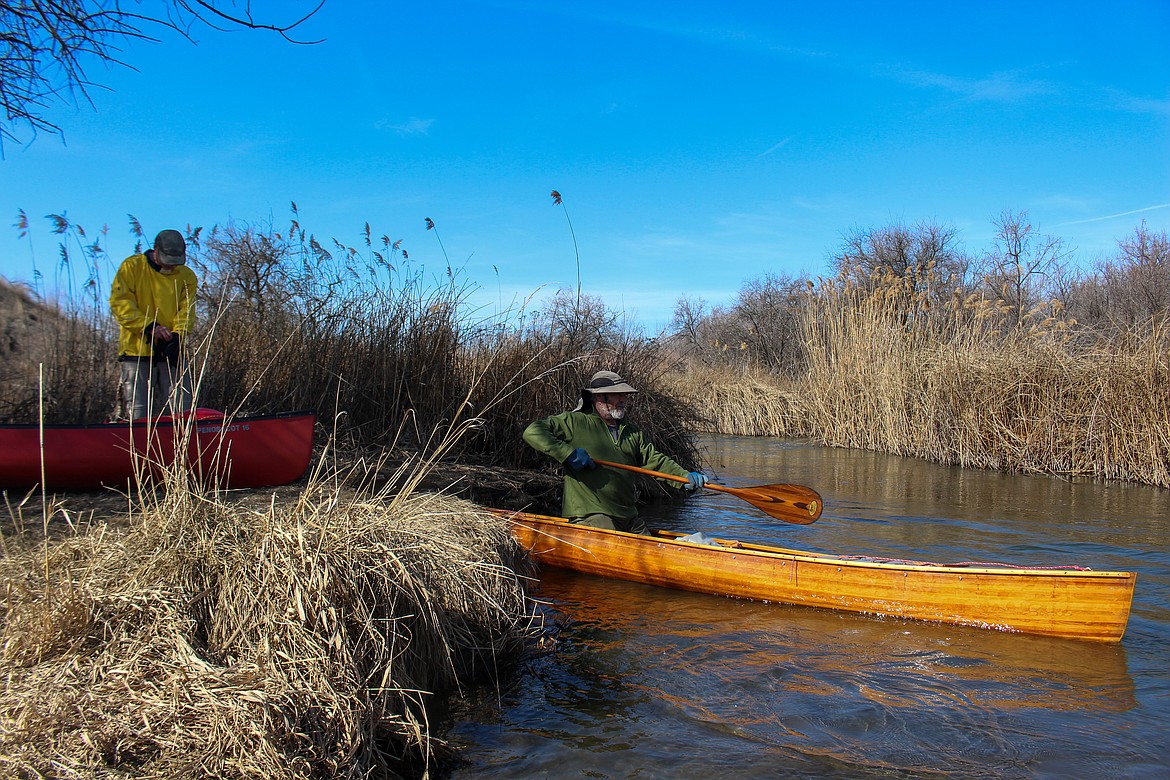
{"x": 170, "y": 248}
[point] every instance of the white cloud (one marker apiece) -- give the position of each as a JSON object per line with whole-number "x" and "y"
{"x": 413, "y": 126}
{"x": 1005, "y": 87}
{"x": 774, "y": 147}
{"x": 1115, "y": 216}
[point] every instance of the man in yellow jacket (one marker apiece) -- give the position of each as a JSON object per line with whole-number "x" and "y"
{"x": 153, "y": 300}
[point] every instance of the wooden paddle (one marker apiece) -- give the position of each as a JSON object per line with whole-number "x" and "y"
{"x": 790, "y": 503}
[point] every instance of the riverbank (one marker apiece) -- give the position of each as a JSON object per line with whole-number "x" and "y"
{"x": 1024, "y": 408}
{"x": 277, "y": 633}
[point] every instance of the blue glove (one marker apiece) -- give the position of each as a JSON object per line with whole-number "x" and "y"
{"x": 580, "y": 459}
{"x": 695, "y": 481}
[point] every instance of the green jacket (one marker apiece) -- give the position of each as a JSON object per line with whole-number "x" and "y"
{"x": 601, "y": 490}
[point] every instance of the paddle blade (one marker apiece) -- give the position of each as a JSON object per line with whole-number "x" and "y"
{"x": 790, "y": 503}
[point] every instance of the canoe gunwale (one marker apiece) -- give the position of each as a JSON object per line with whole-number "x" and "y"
{"x": 730, "y": 545}
{"x": 924, "y": 566}
{"x": 202, "y": 421}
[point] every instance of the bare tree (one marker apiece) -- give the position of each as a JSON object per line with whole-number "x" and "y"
{"x": 686, "y": 329}
{"x": 586, "y": 322}
{"x": 760, "y": 329}
{"x": 919, "y": 269}
{"x": 1020, "y": 268}
{"x": 769, "y": 308}
{"x": 47, "y": 45}
{"x": 926, "y": 254}
{"x": 1140, "y": 278}
{"x": 1129, "y": 288}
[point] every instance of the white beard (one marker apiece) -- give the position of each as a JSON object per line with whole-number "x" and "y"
{"x": 617, "y": 413}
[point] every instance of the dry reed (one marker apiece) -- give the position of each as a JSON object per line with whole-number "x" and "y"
{"x": 359, "y": 337}
{"x": 207, "y": 639}
{"x": 957, "y": 383}
{"x": 955, "y": 389}
{"x": 739, "y": 401}
{"x": 74, "y": 347}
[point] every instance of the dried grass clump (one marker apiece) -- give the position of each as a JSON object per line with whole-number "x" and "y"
{"x": 209, "y": 640}
{"x": 739, "y": 401}
{"x": 967, "y": 390}
{"x": 891, "y": 369}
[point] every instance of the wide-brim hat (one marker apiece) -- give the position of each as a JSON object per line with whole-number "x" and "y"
{"x": 608, "y": 382}
{"x": 602, "y": 382}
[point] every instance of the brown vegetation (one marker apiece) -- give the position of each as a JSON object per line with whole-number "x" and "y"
{"x": 385, "y": 355}
{"x": 1021, "y": 366}
{"x": 54, "y": 357}
{"x": 201, "y": 638}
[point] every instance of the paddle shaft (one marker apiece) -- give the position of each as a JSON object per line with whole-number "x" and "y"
{"x": 790, "y": 503}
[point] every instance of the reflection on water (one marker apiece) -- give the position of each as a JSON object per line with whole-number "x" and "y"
{"x": 910, "y": 505}
{"x": 645, "y": 682}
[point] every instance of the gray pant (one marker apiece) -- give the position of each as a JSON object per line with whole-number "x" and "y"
{"x": 153, "y": 388}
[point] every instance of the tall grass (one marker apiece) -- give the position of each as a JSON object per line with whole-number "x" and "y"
{"x": 71, "y": 347}
{"x": 966, "y": 388}
{"x": 740, "y": 401}
{"x": 387, "y": 354}
{"x": 212, "y": 639}
{"x": 959, "y": 383}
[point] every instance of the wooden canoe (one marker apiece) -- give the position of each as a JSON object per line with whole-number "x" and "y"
{"x": 1061, "y": 602}
{"x": 219, "y": 451}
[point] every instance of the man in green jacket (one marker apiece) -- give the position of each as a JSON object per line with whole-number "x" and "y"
{"x": 153, "y": 300}
{"x": 603, "y": 497}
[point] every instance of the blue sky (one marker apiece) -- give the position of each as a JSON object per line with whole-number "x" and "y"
{"x": 696, "y": 145}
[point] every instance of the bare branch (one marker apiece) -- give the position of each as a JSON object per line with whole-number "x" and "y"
{"x": 46, "y": 45}
{"x": 249, "y": 22}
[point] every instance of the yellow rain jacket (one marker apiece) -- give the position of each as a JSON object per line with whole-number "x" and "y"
{"x": 142, "y": 296}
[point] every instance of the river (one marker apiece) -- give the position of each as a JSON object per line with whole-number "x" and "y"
{"x": 642, "y": 682}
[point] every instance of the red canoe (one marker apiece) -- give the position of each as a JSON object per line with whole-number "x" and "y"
{"x": 239, "y": 452}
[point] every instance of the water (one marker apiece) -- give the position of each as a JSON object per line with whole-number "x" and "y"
{"x": 643, "y": 682}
